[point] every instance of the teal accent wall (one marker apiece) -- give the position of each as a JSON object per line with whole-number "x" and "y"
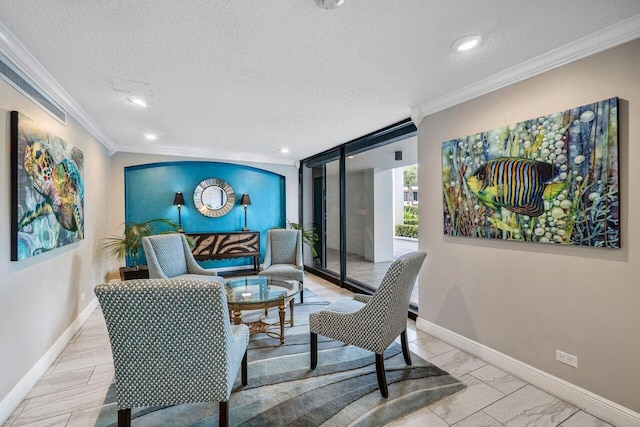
{"x": 150, "y": 189}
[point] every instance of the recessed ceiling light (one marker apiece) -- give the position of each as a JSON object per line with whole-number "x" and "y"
{"x": 329, "y": 4}
{"x": 138, "y": 101}
{"x": 150, "y": 136}
{"x": 351, "y": 157}
{"x": 466, "y": 43}
{"x": 284, "y": 150}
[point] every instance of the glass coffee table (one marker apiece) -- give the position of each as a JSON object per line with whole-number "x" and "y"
{"x": 262, "y": 292}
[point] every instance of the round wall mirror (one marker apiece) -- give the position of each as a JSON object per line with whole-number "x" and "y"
{"x": 214, "y": 197}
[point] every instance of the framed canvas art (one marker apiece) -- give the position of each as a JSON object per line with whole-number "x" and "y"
{"x": 552, "y": 179}
{"x": 47, "y": 194}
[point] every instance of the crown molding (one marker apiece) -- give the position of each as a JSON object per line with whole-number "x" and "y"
{"x": 609, "y": 37}
{"x": 206, "y": 154}
{"x": 11, "y": 47}
{"x": 606, "y": 38}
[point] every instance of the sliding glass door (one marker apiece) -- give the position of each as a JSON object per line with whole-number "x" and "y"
{"x": 374, "y": 195}
{"x": 354, "y": 197}
{"x": 320, "y": 188}
{"x": 331, "y": 226}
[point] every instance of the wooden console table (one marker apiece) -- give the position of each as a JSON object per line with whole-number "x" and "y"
{"x": 225, "y": 245}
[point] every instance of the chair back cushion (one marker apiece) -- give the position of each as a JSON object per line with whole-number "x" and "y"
{"x": 390, "y": 302}
{"x": 170, "y": 341}
{"x": 284, "y": 246}
{"x": 168, "y": 250}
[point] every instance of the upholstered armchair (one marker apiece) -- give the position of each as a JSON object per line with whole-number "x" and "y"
{"x": 172, "y": 343}
{"x": 283, "y": 256}
{"x": 372, "y": 322}
{"x": 169, "y": 256}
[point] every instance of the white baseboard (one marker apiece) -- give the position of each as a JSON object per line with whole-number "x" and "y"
{"x": 12, "y": 400}
{"x": 590, "y": 402}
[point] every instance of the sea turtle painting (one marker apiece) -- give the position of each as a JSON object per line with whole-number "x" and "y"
{"x": 50, "y": 190}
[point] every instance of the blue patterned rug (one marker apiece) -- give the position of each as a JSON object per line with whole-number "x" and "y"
{"x": 283, "y": 391}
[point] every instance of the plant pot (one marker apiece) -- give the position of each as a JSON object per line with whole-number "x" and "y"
{"x": 131, "y": 273}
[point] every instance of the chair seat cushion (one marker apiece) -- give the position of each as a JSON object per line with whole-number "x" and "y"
{"x": 320, "y": 321}
{"x": 288, "y": 271}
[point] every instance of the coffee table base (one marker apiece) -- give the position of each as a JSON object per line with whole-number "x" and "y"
{"x": 260, "y": 326}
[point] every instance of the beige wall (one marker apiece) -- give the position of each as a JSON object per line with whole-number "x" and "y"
{"x": 121, "y": 160}
{"x": 40, "y": 296}
{"x": 523, "y": 299}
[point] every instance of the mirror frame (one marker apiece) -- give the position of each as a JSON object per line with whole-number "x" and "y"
{"x": 204, "y": 209}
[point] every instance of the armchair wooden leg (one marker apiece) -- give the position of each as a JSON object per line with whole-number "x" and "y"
{"x": 124, "y": 417}
{"x": 405, "y": 347}
{"x": 223, "y": 416}
{"x": 302, "y": 294}
{"x": 314, "y": 350}
{"x": 382, "y": 378}
{"x": 244, "y": 369}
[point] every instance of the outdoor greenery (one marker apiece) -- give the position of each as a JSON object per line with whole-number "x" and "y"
{"x": 410, "y": 226}
{"x": 403, "y": 230}
{"x": 410, "y": 177}
{"x": 410, "y": 212}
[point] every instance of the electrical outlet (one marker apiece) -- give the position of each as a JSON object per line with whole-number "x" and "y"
{"x": 566, "y": 358}
{"x": 82, "y": 297}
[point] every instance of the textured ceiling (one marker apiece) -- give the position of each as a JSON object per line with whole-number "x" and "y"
{"x": 239, "y": 79}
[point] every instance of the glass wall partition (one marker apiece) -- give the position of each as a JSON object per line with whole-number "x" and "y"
{"x": 374, "y": 194}
{"x": 331, "y": 226}
{"x": 354, "y": 198}
{"x": 320, "y": 195}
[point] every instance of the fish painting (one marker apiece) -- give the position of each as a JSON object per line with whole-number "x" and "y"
{"x": 516, "y": 184}
{"x": 551, "y": 179}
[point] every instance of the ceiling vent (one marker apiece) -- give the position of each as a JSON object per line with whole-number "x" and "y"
{"x": 16, "y": 78}
{"x": 131, "y": 87}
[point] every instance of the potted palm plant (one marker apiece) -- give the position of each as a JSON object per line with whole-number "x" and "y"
{"x": 309, "y": 236}
{"x": 128, "y": 247}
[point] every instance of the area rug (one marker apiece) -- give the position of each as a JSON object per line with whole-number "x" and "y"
{"x": 283, "y": 391}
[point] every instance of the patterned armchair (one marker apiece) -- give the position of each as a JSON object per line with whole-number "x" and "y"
{"x": 283, "y": 256}
{"x": 372, "y": 322}
{"x": 169, "y": 256}
{"x": 172, "y": 343}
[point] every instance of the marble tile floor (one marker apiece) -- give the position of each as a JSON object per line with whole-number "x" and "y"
{"x": 71, "y": 392}
{"x": 371, "y": 273}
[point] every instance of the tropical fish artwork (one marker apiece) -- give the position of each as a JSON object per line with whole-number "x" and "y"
{"x": 515, "y": 184}
{"x": 48, "y": 190}
{"x": 553, "y": 179}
